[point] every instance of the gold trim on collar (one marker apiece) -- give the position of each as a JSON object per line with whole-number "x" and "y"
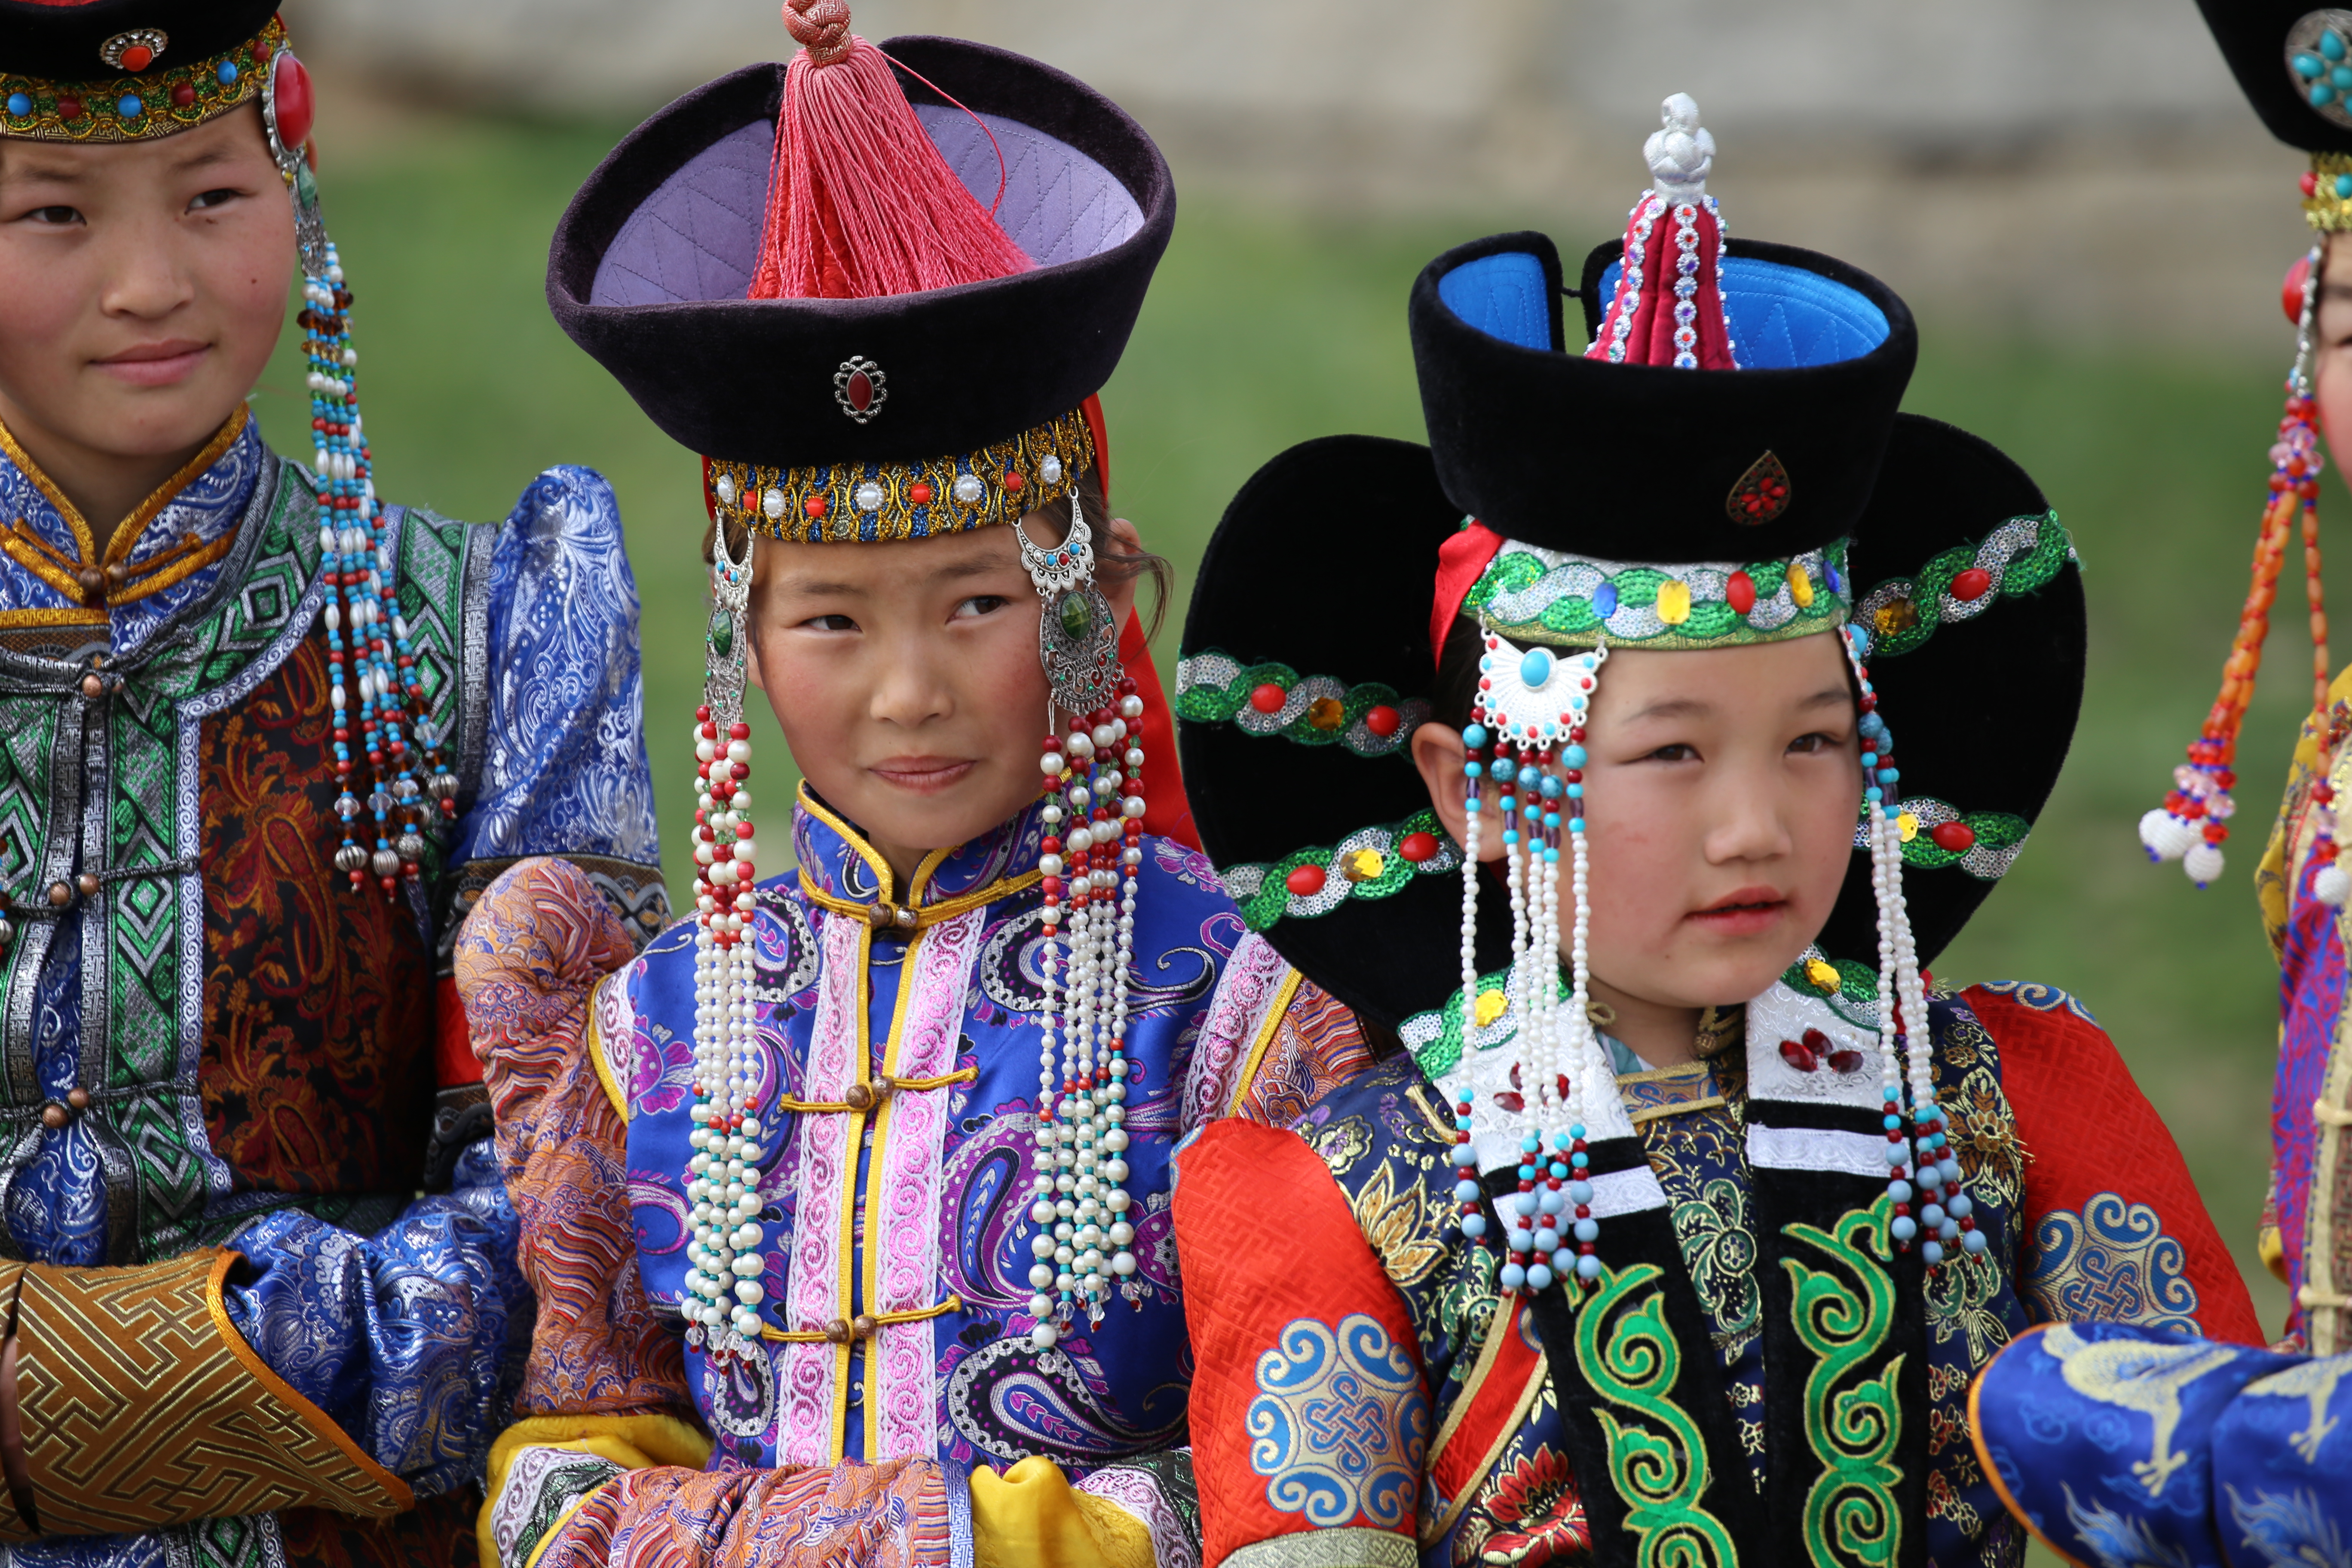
{"x": 37, "y": 555}
{"x": 883, "y": 914}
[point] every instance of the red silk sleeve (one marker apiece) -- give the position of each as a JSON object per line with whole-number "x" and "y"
{"x": 2096, "y": 1148}
{"x": 1288, "y": 1307}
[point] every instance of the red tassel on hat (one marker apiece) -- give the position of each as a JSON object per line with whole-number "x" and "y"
{"x": 860, "y": 203}
{"x": 1668, "y": 308}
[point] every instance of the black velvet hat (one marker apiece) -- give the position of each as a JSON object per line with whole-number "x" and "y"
{"x": 1305, "y": 685}
{"x": 101, "y": 71}
{"x": 68, "y": 41}
{"x": 813, "y": 397}
{"x": 2299, "y": 82}
{"x": 1640, "y": 462}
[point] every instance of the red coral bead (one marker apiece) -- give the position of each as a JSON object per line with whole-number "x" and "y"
{"x": 1741, "y": 591}
{"x": 1953, "y": 837}
{"x": 918, "y": 494}
{"x": 1304, "y": 882}
{"x": 1418, "y": 847}
{"x": 813, "y": 506}
{"x": 1971, "y": 584}
{"x": 1383, "y": 720}
{"x": 1012, "y": 484}
{"x": 1269, "y": 697}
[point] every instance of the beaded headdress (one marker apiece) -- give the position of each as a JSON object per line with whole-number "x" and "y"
{"x": 2294, "y": 65}
{"x": 113, "y": 71}
{"x": 877, "y": 287}
{"x": 1724, "y": 467}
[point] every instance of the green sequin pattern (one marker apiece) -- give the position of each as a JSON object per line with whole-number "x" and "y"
{"x": 1371, "y": 719}
{"x": 1369, "y": 863}
{"x": 1531, "y": 594}
{"x": 2019, "y": 557}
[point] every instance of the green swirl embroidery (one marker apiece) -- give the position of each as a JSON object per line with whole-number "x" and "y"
{"x": 1854, "y": 1425}
{"x": 1658, "y": 1461}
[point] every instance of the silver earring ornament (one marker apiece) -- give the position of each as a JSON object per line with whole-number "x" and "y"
{"x": 1077, "y": 639}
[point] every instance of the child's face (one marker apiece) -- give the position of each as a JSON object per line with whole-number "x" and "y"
{"x": 905, "y": 679}
{"x": 1720, "y": 802}
{"x": 2332, "y": 347}
{"x": 146, "y": 284}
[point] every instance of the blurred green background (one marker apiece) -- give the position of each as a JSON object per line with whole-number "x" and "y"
{"x": 1265, "y": 329}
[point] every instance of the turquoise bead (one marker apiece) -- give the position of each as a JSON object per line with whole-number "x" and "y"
{"x": 1535, "y": 669}
{"x": 2331, "y": 45}
{"x": 2342, "y": 77}
{"x": 2322, "y": 95}
{"x": 2309, "y": 66}
{"x": 19, "y": 105}
{"x": 227, "y": 74}
{"x": 1474, "y": 736}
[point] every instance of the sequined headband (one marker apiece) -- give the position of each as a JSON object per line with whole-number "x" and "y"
{"x": 147, "y": 100}
{"x": 874, "y": 503}
{"x": 1531, "y": 594}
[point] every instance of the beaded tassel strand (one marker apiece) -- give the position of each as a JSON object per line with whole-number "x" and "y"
{"x": 724, "y": 1281}
{"x": 2193, "y": 823}
{"x": 355, "y": 548}
{"x": 1917, "y": 1139}
{"x": 1094, "y": 783}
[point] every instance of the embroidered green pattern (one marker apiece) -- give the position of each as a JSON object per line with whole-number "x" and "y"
{"x": 1852, "y": 1423}
{"x": 1658, "y": 1461}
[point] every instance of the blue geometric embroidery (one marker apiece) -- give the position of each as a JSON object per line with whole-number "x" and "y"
{"x": 1340, "y": 1424}
{"x": 2113, "y": 1262}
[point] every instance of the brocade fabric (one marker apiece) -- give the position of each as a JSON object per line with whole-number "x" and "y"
{"x": 257, "y": 1043}
{"x": 1359, "y": 1371}
{"x": 920, "y": 1205}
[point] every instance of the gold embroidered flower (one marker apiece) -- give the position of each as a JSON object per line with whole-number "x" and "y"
{"x": 1399, "y": 1227}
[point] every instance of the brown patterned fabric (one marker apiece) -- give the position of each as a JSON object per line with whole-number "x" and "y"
{"x": 319, "y": 1007}
{"x": 439, "y": 1532}
{"x": 142, "y": 1407}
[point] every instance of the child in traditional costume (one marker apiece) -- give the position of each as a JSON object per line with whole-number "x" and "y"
{"x": 2128, "y": 1445}
{"x": 266, "y": 737}
{"x": 854, "y": 1190}
{"x": 1660, "y": 1246}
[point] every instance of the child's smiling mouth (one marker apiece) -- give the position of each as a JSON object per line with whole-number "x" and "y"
{"x": 922, "y": 775}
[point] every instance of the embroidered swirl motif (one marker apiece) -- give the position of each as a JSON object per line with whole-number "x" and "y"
{"x": 1658, "y": 1463}
{"x": 1852, "y": 1423}
{"x": 1340, "y": 1424}
{"x": 2114, "y": 1261}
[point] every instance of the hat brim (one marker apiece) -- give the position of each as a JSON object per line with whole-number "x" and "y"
{"x": 61, "y": 42}
{"x": 1982, "y": 710}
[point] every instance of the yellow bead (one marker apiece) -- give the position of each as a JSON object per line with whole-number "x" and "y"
{"x": 1673, "y": 601}
{"x": 1490, "y": 1006}
{"x": 1800, "y": 585}
{"x": 1361, "y": 865}
{"x": 1326, "y": 713}
{"x": 1907, "y": 825}
{"x": 1821, "y": 973}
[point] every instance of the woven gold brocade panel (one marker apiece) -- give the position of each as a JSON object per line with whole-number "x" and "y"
{"x": 142, "y": 1407}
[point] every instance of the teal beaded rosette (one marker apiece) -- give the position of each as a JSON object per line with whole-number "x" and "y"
{"x": 1531, "y": 594}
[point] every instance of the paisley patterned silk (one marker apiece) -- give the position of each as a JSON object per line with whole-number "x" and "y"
{"x": 257, "y": 1045}
{"x": 1499, "y": 1481}
{"x": 916, "y": 1208}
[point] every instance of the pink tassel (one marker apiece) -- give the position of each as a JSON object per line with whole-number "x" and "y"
{"x": 860, "y": 203}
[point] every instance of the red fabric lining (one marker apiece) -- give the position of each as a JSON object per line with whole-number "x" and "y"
{"x": 453, "y": 1047}
{"x": 1460, "y": 561}
{"x": 2087, "y": 1129}
{"x": 1274, "y": 1262}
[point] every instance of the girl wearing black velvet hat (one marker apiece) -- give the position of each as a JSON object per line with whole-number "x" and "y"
{"x": 853, "y": 1192}
{"x": 1682, "y": 1227}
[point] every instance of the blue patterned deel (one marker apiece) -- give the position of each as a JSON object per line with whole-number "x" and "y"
{"x": 403, "y": 1317}
{"x": 921, "y": 1209}
{"x": 2124, "y": 1446}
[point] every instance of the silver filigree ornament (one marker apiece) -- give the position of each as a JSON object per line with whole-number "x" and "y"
{"x": 301, "y": 185}
{"x": 136, "y": 50}
{"x": 2318, "y": 55}
{"x": 725, "y": 638}
{"x": 860, "y": 388}
{"x": 1078, "y": 634}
